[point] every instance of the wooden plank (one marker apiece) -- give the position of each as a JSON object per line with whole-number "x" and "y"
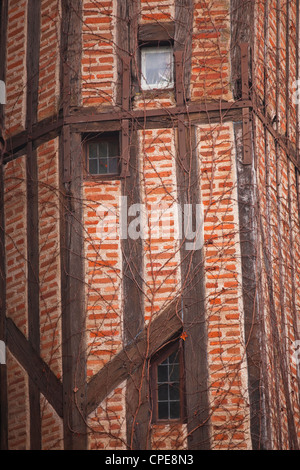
{"x": 248, "y": 244}
{"x": 38, "y": 371}
{"x": 247, "y": 141}
{"x": 33, "y": 289}
{"x": 172, "y": 111}
{"x": 193, "y": 307}
{"x": 137, "y": 404}
{"x": 153, "y": 336}
{"x": 242, "y": 33}
{"x": 72, "y": 255}
{"x": 32, "y": 66}
{"x": 184, "y": 18}
{"x": 156, "y": 32}
{"x": 242, "y": 18}
{"x": 3, "y": 368}
{"x": 73, "y": 307}
{"x": 51, "y": 127}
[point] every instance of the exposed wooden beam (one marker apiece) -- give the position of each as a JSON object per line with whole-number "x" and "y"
{"x": 72, "y": 256}
{"x": 38, "y": 371}
{"x": 3, "y": 367}
{"x": 155, "y": 335}
{"x": 33, "y": 291}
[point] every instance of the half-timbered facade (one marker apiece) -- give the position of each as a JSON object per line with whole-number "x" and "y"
{"x": 150, "y": 224}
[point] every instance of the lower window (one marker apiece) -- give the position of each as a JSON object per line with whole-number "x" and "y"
{"x": 103, "y": 155}
{"x": 167, "y": 384}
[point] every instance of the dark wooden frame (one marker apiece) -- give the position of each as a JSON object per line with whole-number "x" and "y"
{"x": 157, "y": 359}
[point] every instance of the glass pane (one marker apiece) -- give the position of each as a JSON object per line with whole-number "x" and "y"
{"x": 103, "y": 166}
{"x": 162, "y": 372}
{"x": 93, "y": 150}
{"x": 163, "y": 412}
{"x": 103, "y": 147}
{"x": 93, "y": 166}
{"x": 174, "y": 410}
{"x": 174, "y": 373}
{"x": 113, "y": 165}
{"x": 174, "y": 392}
{"x": 113, "y": 148}
{"x": 173, "y": 359}
{"x": 157, "y": 68}
{"x": 163, "y": 392}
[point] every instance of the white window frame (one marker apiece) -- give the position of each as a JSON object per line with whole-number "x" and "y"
{"x": 155, "y": 50}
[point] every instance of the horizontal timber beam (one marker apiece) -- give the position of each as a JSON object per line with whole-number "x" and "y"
{"x": 144, "y": 114}
{"x": 87, "y": 120}
{"x": 152, "y": 118}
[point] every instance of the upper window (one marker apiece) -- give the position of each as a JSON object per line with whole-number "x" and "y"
{"x": 157, "y": 67}
{"x": 103, "y": 155}
{"x": 167, "y": 385}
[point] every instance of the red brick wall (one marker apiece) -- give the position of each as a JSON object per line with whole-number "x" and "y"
{"x": 18, "y": 406}
{"x": 103, "y": 261}
{"x": 210, "y": 79}
{"x": 275, "y": 188}
{"x": 278, "y": 218}
{"x": 278, "y": 211}
{"x": 15, "y": 67}
{"x": 51, "y": 425}
{"x": 16, "y": 242}
{"x": 49, "y": 255}
{"x": 157, "y": 11}
{"x": 49, "y": 58}
{"x": 224, "y": 311}
{"x": 159, "y": 196}
{"x": 98, "y": 58}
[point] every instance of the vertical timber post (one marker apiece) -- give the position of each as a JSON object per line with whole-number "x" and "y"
{"x": 3, "y": 367}
{"x": 137, "y": 405}
{"x": 33, "y": 291}
{"x": 188, "y": 184}
{"x": 72, "y": 274}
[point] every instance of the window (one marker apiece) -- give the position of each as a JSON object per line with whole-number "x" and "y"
{"x": 103, "y": 155}
{"x": 167, "y": 385}
{"x": 157, "y": 67}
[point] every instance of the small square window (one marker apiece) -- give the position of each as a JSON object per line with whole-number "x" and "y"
{"x": 157, "y": 68}
{"x": 103, "y": 155}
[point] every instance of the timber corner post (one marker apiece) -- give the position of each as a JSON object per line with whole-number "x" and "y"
{"x": 3, "y": 367}
{"x": 72, "y": 259}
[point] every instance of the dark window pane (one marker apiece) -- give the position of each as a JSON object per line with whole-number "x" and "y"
{"x": 174, "y": 410}
{"x": 113, "y": 148}
{"x": 103, "y": 166}
{"x": 162, "y": 372}
{"x": 93, "y": 166}
{"x": 173, "y": 358}
{"x": 174, "y": 373}
{"x": 163, "y": 412}
{"x": 93, "y": 150}
{"x": 174, "y": 391}
{"x": 102, "y": 148}
{"x": 113, "y": 165}
{"x": 163, "y": 392}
